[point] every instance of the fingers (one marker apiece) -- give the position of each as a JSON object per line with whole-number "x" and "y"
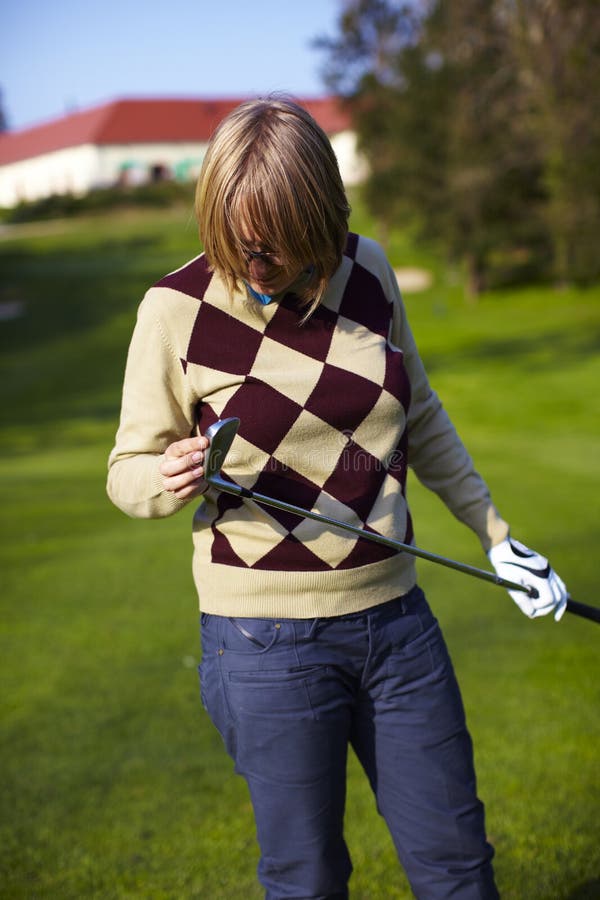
{"x": 185, "y": 447}
{"x": 524, "y": 603}
{"x": 515, "y": 562}
{"x": 543, "y": 606}
{"x": 560, "y": 609}
{"x": 552, "y": 597}
{"x": 561, "y": 596}
{"x": 182, "y": 467}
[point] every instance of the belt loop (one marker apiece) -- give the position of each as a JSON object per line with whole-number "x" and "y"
{"x": 311, "y": 631}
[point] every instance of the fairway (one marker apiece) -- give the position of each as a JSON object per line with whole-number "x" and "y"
{"x": 113, "y": 782}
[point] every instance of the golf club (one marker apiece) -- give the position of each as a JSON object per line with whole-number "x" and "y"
{"x": 221, "y": 435}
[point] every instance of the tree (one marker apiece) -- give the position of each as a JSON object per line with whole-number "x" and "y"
{"x": 433, "y": 109}
{"x": 3, "y": 119}
{"x": 467, "y": 131}
{"x": 492, "y": 190}
{"x": 557, "y": 51}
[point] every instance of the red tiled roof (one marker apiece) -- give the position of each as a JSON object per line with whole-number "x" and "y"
{"x": 329, "y": 113}
{"x": 144, "y": 121}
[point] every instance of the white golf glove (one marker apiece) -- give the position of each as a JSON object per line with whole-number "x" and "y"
{"x": 516, "y": 562}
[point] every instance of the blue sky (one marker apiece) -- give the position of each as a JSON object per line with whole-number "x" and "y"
{"x": 60, "y": 55}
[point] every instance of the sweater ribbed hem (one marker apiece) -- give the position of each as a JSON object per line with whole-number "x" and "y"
{"x": 229, "y": 591}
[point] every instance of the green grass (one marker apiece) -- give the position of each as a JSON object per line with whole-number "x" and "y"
{"x": 113, "y": 782}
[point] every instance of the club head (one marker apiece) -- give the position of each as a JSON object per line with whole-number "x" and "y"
{"x": 221, "y": 435}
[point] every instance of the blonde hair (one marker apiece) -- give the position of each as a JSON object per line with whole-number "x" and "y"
{"x": 271, "y": 167}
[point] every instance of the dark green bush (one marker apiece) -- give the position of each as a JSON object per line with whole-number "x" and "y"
{"x": 158, "y": 194}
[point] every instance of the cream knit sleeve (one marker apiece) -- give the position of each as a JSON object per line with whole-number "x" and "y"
{"x": 156, "y": 410}
{"x": 435, "y": 451}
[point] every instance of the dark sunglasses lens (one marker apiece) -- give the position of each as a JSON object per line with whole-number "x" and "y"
{"x": 255, "y": 255}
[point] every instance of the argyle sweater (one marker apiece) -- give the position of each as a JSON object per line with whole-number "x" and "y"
{"x": 332, "y": 412}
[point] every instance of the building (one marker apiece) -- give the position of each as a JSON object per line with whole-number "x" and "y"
{"x": 135, "y": 141}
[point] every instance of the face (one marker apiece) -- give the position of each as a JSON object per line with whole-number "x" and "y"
{"x": 266, "y": 272}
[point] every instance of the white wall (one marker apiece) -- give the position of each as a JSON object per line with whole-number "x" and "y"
{"x": 80, "y": 169}
{"x": 62, "y": 172}
{"x": 353, "y": 167}
{"x": 176, "y": 158}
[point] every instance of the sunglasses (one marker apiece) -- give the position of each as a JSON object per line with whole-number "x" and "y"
{"x": 266, "y": 256}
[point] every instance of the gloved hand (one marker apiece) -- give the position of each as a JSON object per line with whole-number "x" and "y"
{"x": 516, "y": 562}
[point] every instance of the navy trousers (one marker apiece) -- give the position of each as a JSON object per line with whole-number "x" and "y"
{"x": 290, "y": 696}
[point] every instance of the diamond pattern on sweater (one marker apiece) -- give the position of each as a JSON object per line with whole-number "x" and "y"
{"x": 396, "y": 378}
{"x": 304, "y": 559}
{"x": 311, "y": 339}
{"x": 329, "y": 543}
{"x": 222, "y": 388}
{"x": 284, "y": 483}
{"x": 384, "y": 516}
{"x": 373, "y": 432}
{"x": 319, "y": 406}
{"x": 356, "y": 349}
{"x": 248, "y": 462}
{"x": 248, "y": 530}
{"x": 335, "y": 290}
{"x": 374, "y": 314}
{"x": 294, "y": 372}
{"x": 208, "y": 346}
{"x": 359, "y": 394}
{"x": 356, "y": 479}
{"x": 397, "y": 462}
{"x": 365, "y": 553}
{"x": 311, "y": 447}
{"x": 266, "y": 416}
{"x": 192, "y": 279}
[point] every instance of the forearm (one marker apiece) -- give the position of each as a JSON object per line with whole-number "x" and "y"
{"x": 157, "y": 409}
{"x": 135, "y": 486}
{"x": 442, "y": 463}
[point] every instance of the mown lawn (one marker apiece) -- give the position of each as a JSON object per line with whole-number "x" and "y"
{"x": 113, "y": 782}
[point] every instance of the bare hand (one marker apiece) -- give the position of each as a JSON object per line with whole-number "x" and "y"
{"x": 183, "y": 467}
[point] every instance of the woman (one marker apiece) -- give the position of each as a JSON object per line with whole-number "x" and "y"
{"x": 312, "y": 640}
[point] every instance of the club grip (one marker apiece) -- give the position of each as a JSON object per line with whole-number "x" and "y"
{"x": 583, "y": 610}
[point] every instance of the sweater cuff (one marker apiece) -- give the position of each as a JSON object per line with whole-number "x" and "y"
{"x": 135, "y": 486}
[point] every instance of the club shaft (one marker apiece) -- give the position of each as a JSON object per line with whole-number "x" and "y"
{"x": 584, "y": 610}
{"x": 221, "y": 435}
{"x": 235, "y": 489}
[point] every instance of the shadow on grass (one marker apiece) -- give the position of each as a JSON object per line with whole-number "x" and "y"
{"x": 549, "y": 350}
{"x": 588, "y": 891}
{"x": 62, "y": 292}
{"x": 64, "y": 356}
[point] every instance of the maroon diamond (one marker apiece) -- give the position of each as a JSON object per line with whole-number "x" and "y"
{"x": 313, "y": 338}
{"x": 365, "y": 302}
{"x": 284, "y": 483}
{"x": 218, "y": 341}
{"x": 397, "y": 463}
{"x": 291, "y": 555}
{"x": 396, "y": 379}
{"x": 364, "y": 553}
{"x": 357, "y": 480}
{"x": 359, "y": 397}
{"x": 265, "y": 415}
{"x": 192, "y": 279}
